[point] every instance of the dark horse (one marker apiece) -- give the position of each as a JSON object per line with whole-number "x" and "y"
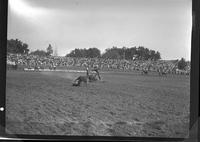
{"x": 77, "y": 81}
{"x": 85, "y": 79}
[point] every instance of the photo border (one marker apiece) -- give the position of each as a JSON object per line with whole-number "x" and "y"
{"x": 194, "y": 86}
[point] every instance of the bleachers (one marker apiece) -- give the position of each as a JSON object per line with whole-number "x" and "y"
{"x": 81, "y": 63}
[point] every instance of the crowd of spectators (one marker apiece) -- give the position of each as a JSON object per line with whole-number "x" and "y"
{"x": 31, "y": 61}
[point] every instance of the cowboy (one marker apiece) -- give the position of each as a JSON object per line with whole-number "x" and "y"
{"x": 96, "y": 69}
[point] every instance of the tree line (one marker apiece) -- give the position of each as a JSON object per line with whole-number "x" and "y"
{"x": 85, "y": 53}
{"x": 140, "y": 53}
{"x": 18, "y": 47}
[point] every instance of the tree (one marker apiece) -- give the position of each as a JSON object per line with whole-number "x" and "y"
{"x": 93, "y": 53}
{"x": 17, "y": 46}
{"x": 39, "y": 53}
{"x": 111, "y": 53}
{"x": 157, "y": 56}
{"x": 71, "y": 54}
{"x": 85, "y": 53}
{"x": 123, "y": 51}
{"x": 152, "y": 54}
{"x": 49, "y": 50}
{"x": 140, "y": 52}
{"x": 182, "y": 64}
{"x": 130, "y": 53}
{"x": 25, "y": 48}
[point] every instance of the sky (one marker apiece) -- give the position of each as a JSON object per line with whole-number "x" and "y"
{"x": 161, "y": 25}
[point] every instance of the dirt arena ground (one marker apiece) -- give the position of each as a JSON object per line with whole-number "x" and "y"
{"x": 123, "y": 104}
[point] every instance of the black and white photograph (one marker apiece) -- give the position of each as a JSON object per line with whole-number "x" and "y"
{"x": 99, "y": 68}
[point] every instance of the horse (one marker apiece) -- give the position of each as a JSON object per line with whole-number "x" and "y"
{"x": 80, "y": 79}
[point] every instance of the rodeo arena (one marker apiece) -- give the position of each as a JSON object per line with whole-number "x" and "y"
{"x": 58, "y": 95}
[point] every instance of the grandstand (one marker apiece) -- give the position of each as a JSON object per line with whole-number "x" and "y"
{"x": 59, "y": 62}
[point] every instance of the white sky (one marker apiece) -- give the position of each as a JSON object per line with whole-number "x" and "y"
{"x": 161, "y": 25}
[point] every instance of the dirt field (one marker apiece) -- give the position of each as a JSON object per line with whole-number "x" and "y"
{"x": 123, "y": 104}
